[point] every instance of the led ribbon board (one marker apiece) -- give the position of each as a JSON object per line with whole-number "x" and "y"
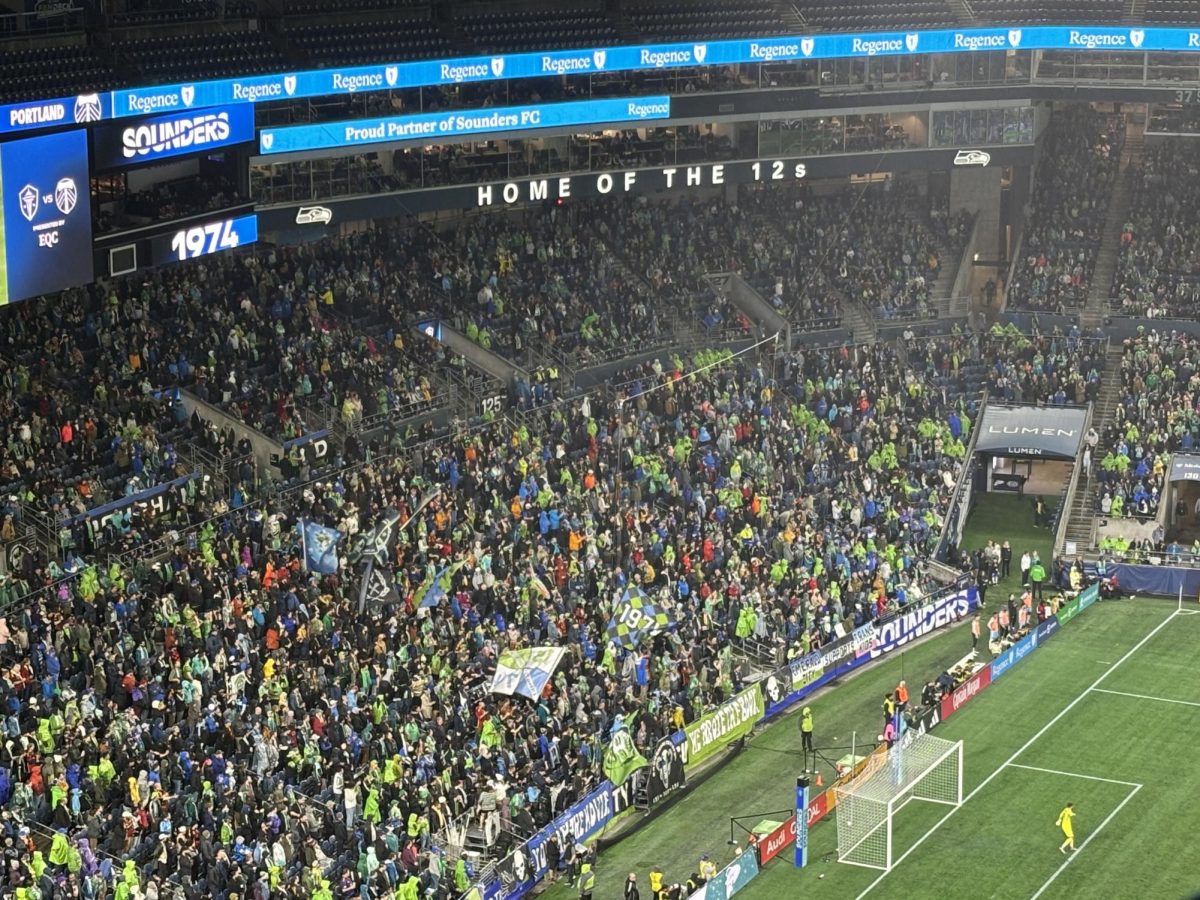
{"x": 171, "y": 98}
{"x": 358, "y": 132}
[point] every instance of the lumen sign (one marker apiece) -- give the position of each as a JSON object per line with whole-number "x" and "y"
{"x": 161, "y": 137}
{"x": 358, "y": 132}
{"x": 788, "y": 48}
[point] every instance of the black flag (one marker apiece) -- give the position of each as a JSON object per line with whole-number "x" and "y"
{"x": 376, "y": 589}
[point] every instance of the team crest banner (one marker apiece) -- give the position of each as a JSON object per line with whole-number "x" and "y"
{"x": 635, "y": 617}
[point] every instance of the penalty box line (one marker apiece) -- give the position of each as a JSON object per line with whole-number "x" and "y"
{"x": 1029, "y": 743}
{"x": 1146, "y": 697}
{"x": 1112, "y": 815}
{"x": 1132, "y": 784}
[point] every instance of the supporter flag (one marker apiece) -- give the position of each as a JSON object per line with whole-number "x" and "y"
{"x": 527, "y": 671}
{"x": 621, "y": 758}
{"x": 376, "y": 588}
{"x": 636, "y": 617}
{"x": 434, "y": 588}
{"x": 378, "y": 542}
{"x": 320, "y": 547}
{"x": 538, "y": 585}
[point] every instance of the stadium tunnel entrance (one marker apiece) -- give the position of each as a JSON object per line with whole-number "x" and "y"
{"x": 1029, "y": 449}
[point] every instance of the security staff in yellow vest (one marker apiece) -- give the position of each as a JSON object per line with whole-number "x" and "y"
{"x": 806, "y": 733}
{"x": 587, "y": 881}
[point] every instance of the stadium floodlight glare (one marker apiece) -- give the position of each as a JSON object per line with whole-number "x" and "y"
{"x": 917, "y": 767}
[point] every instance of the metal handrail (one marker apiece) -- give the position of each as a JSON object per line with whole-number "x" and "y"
{"x": 1064, "y": 514}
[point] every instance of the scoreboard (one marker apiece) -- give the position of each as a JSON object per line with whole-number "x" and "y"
{"x": 46, "y": 223}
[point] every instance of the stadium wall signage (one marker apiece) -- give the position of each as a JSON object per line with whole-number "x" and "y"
{"x": 965, "y": 692}
{"x": 771, "y": 845}
{"x": 161, "y": 137}
{"x": 730, "y": 879}
{"x": 728, "y": 722}
{"x": 1014, "y": 654}
{"x": 619, "y": 183}
{"x": 140, "y": 101}
{"x": 430, "y": 126}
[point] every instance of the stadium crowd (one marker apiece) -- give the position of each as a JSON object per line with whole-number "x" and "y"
{"x": 1155, "y": 416}
{"x": 1066, "y": 217}
{"x": 1158, "y": 272}
{"x": 1053, "y": 369}
{"x": 225, "y": 721}
{"x": 871, "y": 245}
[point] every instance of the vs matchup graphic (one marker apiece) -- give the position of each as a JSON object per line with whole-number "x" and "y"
{"x": 47, "y": 227}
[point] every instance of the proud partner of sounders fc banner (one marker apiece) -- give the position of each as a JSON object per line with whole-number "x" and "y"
{"x": 429, "y": 125}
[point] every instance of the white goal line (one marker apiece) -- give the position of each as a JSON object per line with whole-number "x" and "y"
{"x": 1029, "y": 743}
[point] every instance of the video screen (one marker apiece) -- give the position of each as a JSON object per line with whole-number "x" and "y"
{"x": 46, "y": 230}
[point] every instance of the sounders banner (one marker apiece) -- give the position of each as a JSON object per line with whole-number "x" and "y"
{"x": 725, "y": 724}
{"x": 792, "y": 683}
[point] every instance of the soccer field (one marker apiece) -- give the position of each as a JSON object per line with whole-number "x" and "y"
{"x": 1105, "y": 715}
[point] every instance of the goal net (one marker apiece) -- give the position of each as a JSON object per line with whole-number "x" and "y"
{"x": 917, "y": 767}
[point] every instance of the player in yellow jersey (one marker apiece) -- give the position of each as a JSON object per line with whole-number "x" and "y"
{"x": 1065, "y": 820}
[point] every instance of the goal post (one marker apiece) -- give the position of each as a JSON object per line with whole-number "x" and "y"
{"x": 917, "y": 767}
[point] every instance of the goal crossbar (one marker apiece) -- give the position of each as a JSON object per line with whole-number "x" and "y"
{"x": 917, "y": 767}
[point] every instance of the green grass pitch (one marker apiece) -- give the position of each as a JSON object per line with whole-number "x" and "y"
{"x": 1105, "y": 715}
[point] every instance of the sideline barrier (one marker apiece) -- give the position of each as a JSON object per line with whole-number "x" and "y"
{"x": 730, "y": 879}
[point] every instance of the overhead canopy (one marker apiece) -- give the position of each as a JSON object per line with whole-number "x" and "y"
{"x": 1185, "y": 467}
{"x": 1044, "y": 432}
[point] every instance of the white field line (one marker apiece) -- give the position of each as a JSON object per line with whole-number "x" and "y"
{"x": 1147, "y": 697}
{"x": 1029, "y": 743}
{"x": 1075, "y": 775}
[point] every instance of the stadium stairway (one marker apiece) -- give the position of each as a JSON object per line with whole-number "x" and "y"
{"x": 790, "y": 16}
{"x": 1097, "y": 307}
{"x": 487, "y": 361}
{"x": 1083, "y": 508}
{"x": 963, "y": 12}
{"x": 857, "y": 318}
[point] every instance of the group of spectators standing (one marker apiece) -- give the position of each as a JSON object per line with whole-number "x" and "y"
{"x": 1156, "y": 415}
